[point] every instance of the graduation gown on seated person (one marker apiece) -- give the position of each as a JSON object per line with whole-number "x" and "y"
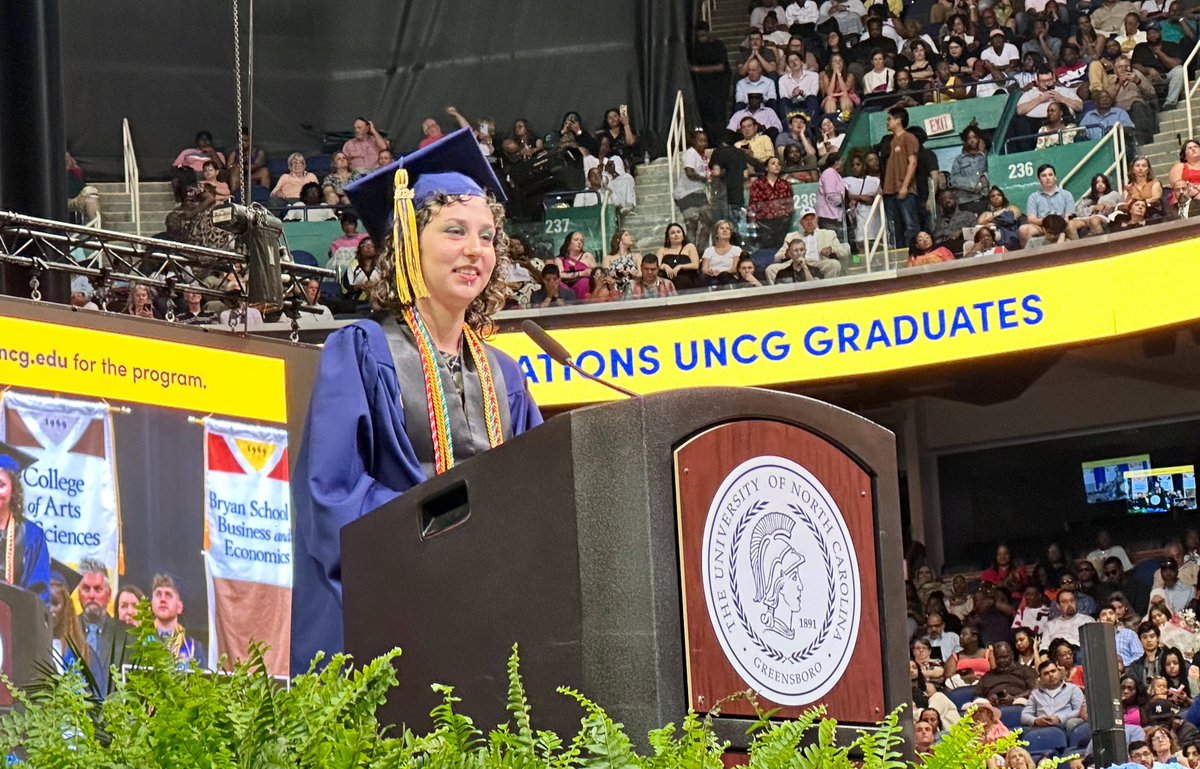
{"x": 367, "y": 441}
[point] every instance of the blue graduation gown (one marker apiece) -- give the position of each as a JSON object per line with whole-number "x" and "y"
{"x": 355, "y": 457}
{"x": 33, "y": 572}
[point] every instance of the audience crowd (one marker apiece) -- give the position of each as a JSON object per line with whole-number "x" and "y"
{"x": 803, "y": 71}
{"x": 806, "y": 68}
{"x": 1006, "y": 642}
{"x": 96, "y": 631}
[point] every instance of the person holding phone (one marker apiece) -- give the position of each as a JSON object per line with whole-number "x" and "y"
{"x": 363, "y": 150}
{"x": 483, "y": 134}
{"x": 623, "y": 140}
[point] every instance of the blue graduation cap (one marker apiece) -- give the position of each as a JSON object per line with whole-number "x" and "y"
{"x": 387, "y": 199}
{"x": 13, "y": 459}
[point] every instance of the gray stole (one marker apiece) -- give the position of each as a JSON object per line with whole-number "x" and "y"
{"x": 468, "y": 427}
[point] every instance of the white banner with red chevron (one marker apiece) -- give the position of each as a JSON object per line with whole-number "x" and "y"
{"x": 71, "y": 490}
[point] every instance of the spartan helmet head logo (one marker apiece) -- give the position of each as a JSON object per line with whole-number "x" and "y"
{"x": 776, "y": 568}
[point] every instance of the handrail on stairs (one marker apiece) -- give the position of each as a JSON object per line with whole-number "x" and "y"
{"x": 132, "y": 182}
{"x": 880, "y": 241}
{"x": 677, "y": 142}
{"x": 1118, "y": 168}
{"x": 1189, "y": 89}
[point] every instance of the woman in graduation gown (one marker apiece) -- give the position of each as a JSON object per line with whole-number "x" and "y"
{"x": 24, "y": 557}
{"x": 414, "y": 390}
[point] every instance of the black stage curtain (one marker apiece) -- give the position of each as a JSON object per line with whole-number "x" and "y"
{"x": 168, "y": 67}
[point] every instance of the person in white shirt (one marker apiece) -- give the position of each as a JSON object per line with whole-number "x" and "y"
{"x": 849, "y": 15}
{"x": 307, "y": 317}
{"x": 893, "y": 33}
{"x": 862, "y": 187}
{"x": 774, "y": 33}
{"x": 1178, "y": 594}
{"x": 1034, "y": 103}
{"x": 691, "y": 191}
{"x": 1106, "y": 549}
{"x": 1187, "y": 566}
{"x": 880, "y": 78}
{"x": 799, "y": 89}
{"x": 1001, "y": 57}
{"x": 807, "y": 11}
{"x": 755, "y": 82}
{"x": 1131, "y": 33}
{"x": 768, "y": 7}
{"x": 1066, "y": 625}
{"x": 243, "y": 318}
{"x": 81, "y": 293}
{"x": 311, "y": 206}
{"x": 1034, "y": 613}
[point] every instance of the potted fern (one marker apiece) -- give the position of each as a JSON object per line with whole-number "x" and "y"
{"x": 162, "y": 716}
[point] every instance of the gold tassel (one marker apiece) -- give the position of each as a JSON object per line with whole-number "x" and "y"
{"x": 410, "y": 281}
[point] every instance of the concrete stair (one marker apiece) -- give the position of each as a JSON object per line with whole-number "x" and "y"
{"x": 648, "y": 221}
{"x": 1163, "y": 152}
{"x": 730, "y": 22}
{"x": 116, "y": 208}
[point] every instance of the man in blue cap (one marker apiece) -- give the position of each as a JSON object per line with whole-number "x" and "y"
{"x": 412, "y": 391}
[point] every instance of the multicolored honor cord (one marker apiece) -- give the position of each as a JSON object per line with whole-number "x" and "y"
{"x": 10, "y": 548}
{"x": 439, "y": 408}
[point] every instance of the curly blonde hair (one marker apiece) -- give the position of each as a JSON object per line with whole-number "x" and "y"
{"x": 480, "y": 313}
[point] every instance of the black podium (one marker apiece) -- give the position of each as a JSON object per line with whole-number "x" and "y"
{"x": 24, "y": 637}
{"x": 579, "y": 541}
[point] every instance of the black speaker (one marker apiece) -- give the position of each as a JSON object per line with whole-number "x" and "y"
{"x": 1103, "y": 693}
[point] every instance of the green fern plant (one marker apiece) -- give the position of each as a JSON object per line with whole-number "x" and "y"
{"x": 161, "y": 715}
{"x": 879, "y": 747}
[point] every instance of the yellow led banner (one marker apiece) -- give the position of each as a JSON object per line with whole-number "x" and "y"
{"x": 65, "y": 359}
{"x": 957, "y": 321}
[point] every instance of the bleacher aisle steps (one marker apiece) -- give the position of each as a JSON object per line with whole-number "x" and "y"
{"x": 116, "y": 210}
{"x": 1163, "y": 152}
{"x": 649, "y": 219}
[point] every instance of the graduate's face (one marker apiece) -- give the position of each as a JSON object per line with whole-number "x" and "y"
{"x": 458, "y": 251}
{"x": 5, "y": 489}
{"x": 167, "y": 605}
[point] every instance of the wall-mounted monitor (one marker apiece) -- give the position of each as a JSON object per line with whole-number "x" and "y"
{"x": 1158, "y": 490}
{"x": 1104, "y": 479}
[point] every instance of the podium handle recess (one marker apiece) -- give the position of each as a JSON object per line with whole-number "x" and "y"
{"x": 445, "y": 510}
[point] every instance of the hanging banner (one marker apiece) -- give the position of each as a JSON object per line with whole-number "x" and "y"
{"x": 71, "y": 490}
{"x": 248, "y": 541}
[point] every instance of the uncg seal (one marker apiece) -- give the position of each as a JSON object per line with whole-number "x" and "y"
{"x": 781, "y": 580}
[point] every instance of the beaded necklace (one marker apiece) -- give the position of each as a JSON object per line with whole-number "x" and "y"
{"x": 439, "y": 408}
{"x": 10, "y": 549}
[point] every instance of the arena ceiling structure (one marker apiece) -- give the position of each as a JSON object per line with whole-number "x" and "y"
{"x": 169, "y": 68}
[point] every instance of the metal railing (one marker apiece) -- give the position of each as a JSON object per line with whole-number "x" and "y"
{"x": 1117, "y": 170}
{"x": 132, "y": 182}
{"x": 1063, "y": 136}
{"x": 677, "y": 143}
{"x": 881, "y": 237}
{"x": 706, "y": 10}
{"x": 1189, "y": 88}
{"x": 116, "y": 258}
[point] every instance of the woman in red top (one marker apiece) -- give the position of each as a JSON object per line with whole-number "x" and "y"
{"x": 771, "y": 204}
{"x": 1188, "y": 167}
{"x": 1004, "y": 575}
